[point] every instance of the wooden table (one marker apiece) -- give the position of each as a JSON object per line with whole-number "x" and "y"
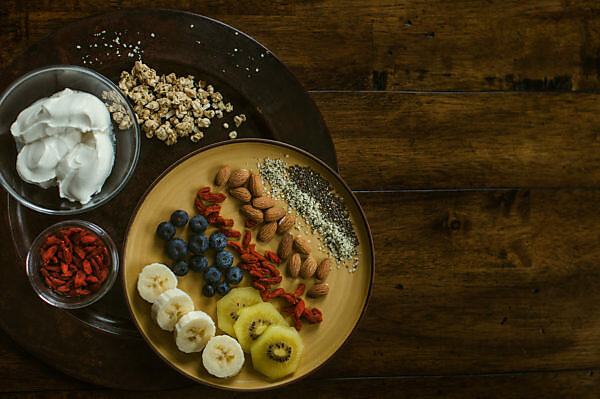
{"x": 470, "y": 132}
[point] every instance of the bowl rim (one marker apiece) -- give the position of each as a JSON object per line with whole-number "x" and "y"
{"x": 32, "y": 267}
{"x": 137, "y": 149}
{"x": 274, "y": 384}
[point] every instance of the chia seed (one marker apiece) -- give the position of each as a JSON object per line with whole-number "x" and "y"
{"x": 331, "y": 205}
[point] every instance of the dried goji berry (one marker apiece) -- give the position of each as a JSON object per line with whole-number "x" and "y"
{"x": 79, "y": 252}
{"x": 88, "y": 239}
{"x": 49, "y": 253}
{"x": 235, "y": 246}
{"x": 299, "y": 309}
{"x": 213, "y": 208}
{"x": 230, "y": 233}
{"x": 247, "y": 238}
{"x": 87, "y": 267}
{"x": 299, "y": 290}
{"x": 224, "y": 222}
{"x": 212, "y": 217}
{"x": 250, "y": 224}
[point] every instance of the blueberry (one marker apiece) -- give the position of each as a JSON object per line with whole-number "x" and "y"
{"x": 234, "y": 275}
{"x": 198, "y": 263}
{"x": 176, "y": 249}
{"x": 165, "y": 230}
{"x": 212, "y": 275}
{"x": 198, "y": 224}
{"x": 179, "y": 218}
{"x": 224, "y": 259}
{"x": 181, "y": 268}
{"x": 208, "y": 290}
{"x": 218, "y": 241}
{"x": 198, "y": 244}
{"x": 223, "y": 288}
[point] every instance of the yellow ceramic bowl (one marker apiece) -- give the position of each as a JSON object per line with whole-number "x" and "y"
{"x": 176, "y": 189}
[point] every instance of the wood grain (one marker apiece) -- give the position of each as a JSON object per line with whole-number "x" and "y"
{"x": 389, "y": 141}
{"x": 481, "y": 282}
{"x": 20, "y": 371}
{"x": 570, "y": 384}
{"x": 386, "y": 45}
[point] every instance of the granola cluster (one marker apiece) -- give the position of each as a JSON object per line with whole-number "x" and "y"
{"x": 169, "y": 107}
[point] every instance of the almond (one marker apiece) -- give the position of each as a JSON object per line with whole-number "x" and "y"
{"x": 222, "y": 176}
{"x": 285, "y": 246}
{"x": 309, "y": 266}
{"x": 286, "y": 223}
{"x": 263, "y": 202}
{"x": 274, "y": 213}
{"x": 318, "y": 290}
{"x": 267, "y": 231}
{"x": 294, "y": 265}
{"x": 252, "y": 213}
{"x": 302, "y": 245}
{"x": 238, "y": 178}
{"x": 256, "y": 185}
{"x": 323, "y": 269}
{"x": 241, "y": 193}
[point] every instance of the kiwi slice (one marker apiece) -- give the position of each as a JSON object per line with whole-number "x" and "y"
{"x": 229, "y": 306}
{"x": 276, "y": 353}
{"x": 254, "y": 320}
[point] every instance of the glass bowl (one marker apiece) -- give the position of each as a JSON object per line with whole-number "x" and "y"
{"x": 47, "y": 294}
{"x": 42, "y": 83}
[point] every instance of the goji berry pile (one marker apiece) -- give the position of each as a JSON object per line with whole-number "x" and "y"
{"x": 264, "y": 275}
{"x": 75, "y": 261}
{"x": 211, "y": 211}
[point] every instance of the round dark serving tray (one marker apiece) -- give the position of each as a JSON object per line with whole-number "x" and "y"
{"x": 100, "y": 344}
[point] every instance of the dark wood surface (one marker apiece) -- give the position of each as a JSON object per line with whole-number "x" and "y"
{"x": 470, "y": 132}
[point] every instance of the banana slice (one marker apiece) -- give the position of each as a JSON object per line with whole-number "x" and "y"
{"x": 193, "y": 331}
{"x": 170, "y": 306}
{"x": 223, "y": 356}
{"x": 155, "y": 279}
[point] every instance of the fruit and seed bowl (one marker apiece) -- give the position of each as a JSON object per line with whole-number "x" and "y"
{"x": 72, "y": 264}
{"x": 69, "y": 140}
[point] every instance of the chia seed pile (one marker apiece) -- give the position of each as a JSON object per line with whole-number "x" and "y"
{"x": 312, "y": 197}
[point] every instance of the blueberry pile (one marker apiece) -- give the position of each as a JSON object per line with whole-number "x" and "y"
{"x": 219, "y": 277}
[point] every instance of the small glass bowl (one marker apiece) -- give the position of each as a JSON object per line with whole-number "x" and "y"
{"x": 45, "y": 82}
{"x": 34, "y": 261}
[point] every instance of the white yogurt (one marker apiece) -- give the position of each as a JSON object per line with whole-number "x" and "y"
{"x": 65, "y": 139}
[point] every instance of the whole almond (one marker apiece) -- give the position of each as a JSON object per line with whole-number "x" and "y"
{"x": 302, "y": 245}
{"x": 285, "y": 246}
{"x": 274, "y": 213}
{"x": 222, "y": 176}
{"x": 252, "y": 213}
{"x": 241, "y": 193}
{"x": 318, "y": 290}
{"x": 309, "y": 266}
{"x": 323, "y": 269}
{"x": 267, "y": 231}
{"x": 286, "y": 223}
{"x": 294, "y": 265}
{"x": 238, "y": 177}
{"x": 263, "y": 202}
{"x": 256, "y": 185}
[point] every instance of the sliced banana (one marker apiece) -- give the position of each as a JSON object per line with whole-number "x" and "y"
{"x": 223, "y": 356}
{"x": 155, "y": 279}
{"x": 170, "y": 306}
{"x": 193, "y": 331}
